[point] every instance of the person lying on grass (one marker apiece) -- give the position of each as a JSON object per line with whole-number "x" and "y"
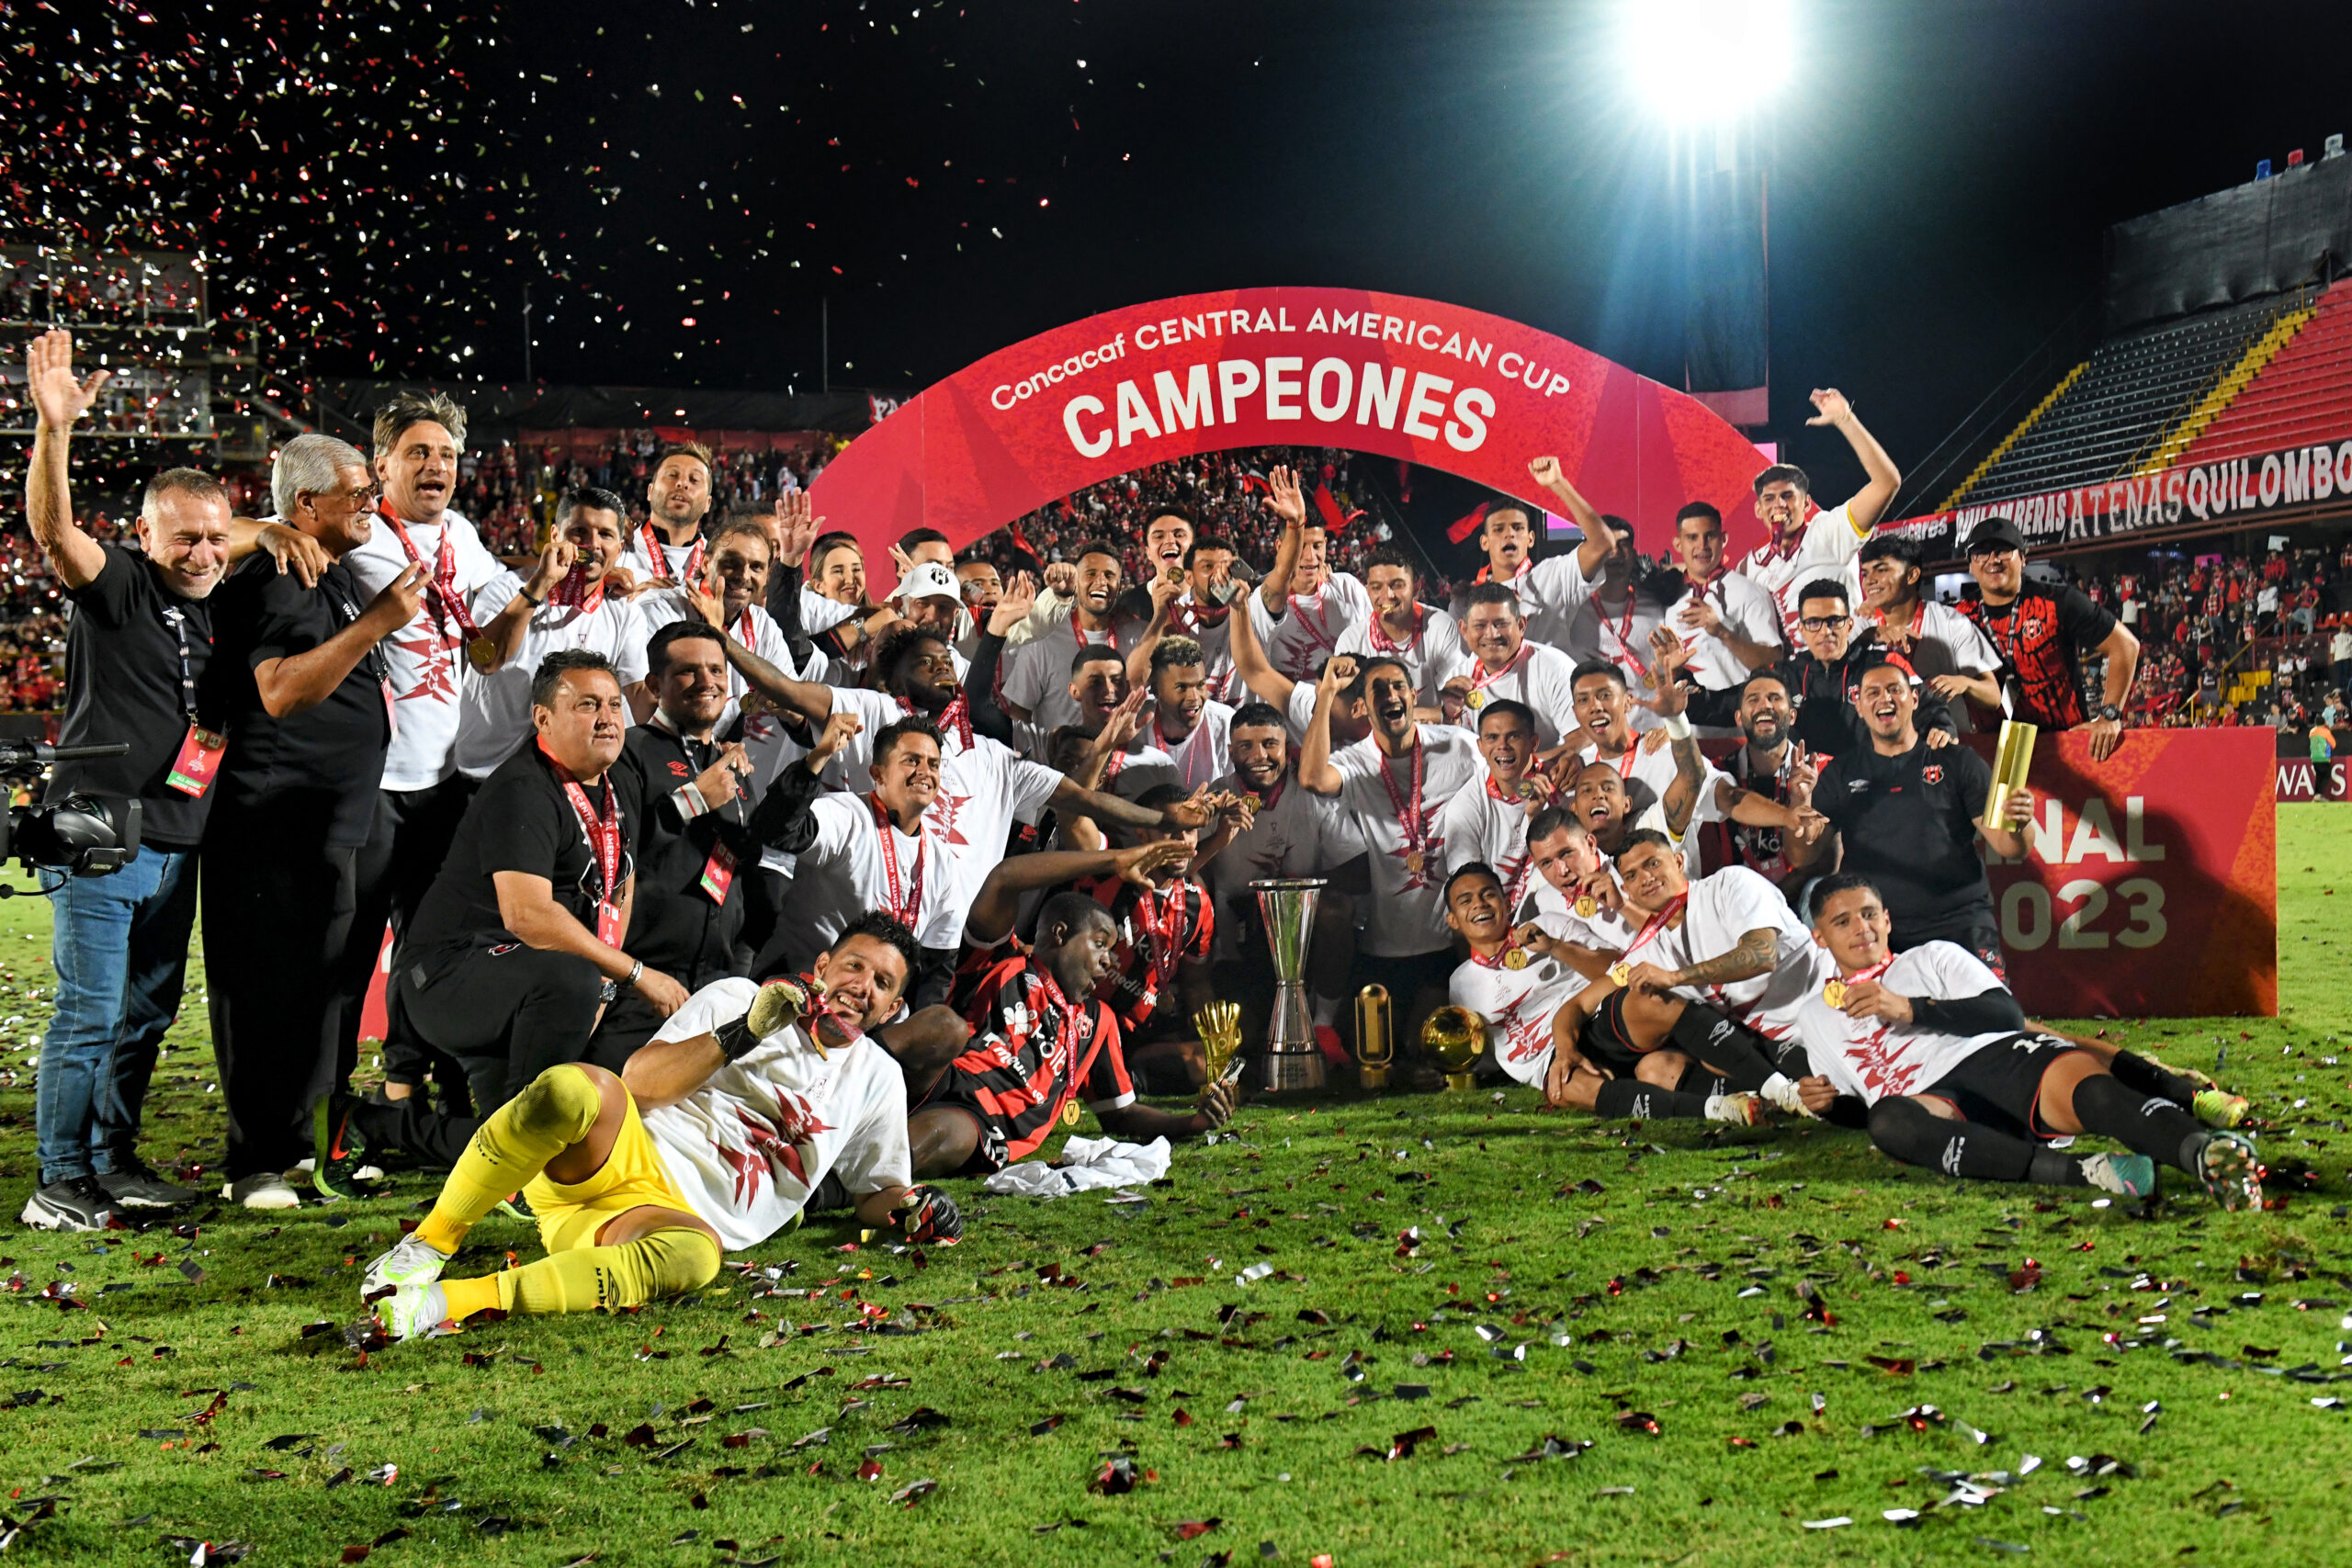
{"x": 1931, "y": 1054}
{"x": 1040, "y": 1041}
{"x": 750, "y": 1105}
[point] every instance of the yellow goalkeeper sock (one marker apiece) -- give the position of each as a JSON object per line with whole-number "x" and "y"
{"x": 512, "y": 1145}
{"x": 667, "y": 1263}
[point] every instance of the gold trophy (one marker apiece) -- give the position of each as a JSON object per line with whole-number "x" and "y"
{"x": 1454, "y": 1036}
{"x": 1375, "y": 1037}
{"x": 1220, "y": 1027}
{"x": 2012, "y": 760}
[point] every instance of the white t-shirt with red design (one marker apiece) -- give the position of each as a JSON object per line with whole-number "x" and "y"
{"x": 748, "y": 1147}
{"x": 1517, "y": 1004}
{"x": 1872, "y": 1059}
{"x": 1723, "y": 910}
{"x": 426, "y": 658}
{"x": 1311, "y": 625}
{"x": 1477, "y": 827}
{"x": 1406, "y": 913}
{"x": 1431, "y": 656}
{"x": 1827, "y": 548}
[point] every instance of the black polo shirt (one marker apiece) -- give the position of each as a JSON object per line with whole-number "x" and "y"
{"x": 1908, "y": 823}
{"x": 521, "y": 819}
{"x": 676, "y": 925}
{"x": 324, "y": 764}
{"x": 132, "y": 652}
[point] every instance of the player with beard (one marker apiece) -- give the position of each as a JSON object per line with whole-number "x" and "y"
{"x": 1942, "y": 645}
{"x": 1552, "y": 592}
{"x": 1505, "y": 664}
{"x": 983, "y": 786}
{"x": 1391, "y": 786}
{"x": 1906, "y": 818}
{"x": 982, "y": 586}
{"x": 1711, "y": 978}
{"x": 1427, "y": 639}
{"x": 562, "y": 604}
{"x": 717, "y": 1134}
{"x": 1196, "y": 602}
{"x": 1303, "y": 608}
{"x": 1775, "y": 768}
{"x": 1290, "y": 833}
{"x": 1822, "y": 678}
{"x": 1731, "y": 626}
{"x": 1513, "y": 983}
{"x": 1488, "y": 826}
{"x": 1040, "y": 1041}
{"x": 1801, "y": 543}
{"x": 668, "y": 548}
{"x": 1036, "y": 675}
{"x": 2041, "y": 635}
{"x": 1930, "y": 1053}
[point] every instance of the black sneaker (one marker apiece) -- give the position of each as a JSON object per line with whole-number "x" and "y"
{"x": 335, "y": 1147}
{"x": 136, "y": 1186}
{"x": 76, "y": 1203}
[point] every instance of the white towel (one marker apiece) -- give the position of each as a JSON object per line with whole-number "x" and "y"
{"x": 1086, "y": 1163}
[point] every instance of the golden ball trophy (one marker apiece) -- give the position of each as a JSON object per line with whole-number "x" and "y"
{"x": 1454, "y": 1036}
{"x": 1375, "y": 1037}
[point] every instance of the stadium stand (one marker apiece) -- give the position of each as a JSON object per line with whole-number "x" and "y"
{"x": 2304, "y": 394}
{"x": 2114, "y": 411}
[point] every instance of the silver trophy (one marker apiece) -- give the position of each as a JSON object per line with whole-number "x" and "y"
{"x": 1287, "y": 905}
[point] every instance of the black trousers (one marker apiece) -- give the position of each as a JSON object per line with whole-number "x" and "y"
{"x": 503, "y": 1014}
{"x": 396, "y": 868}
{"x": 277, "y": 909}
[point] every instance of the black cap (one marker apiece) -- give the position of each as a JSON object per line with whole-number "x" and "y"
{"x": 1995, "y": 533}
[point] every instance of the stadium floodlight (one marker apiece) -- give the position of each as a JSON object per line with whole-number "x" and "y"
{"x": 1706, "y": 59}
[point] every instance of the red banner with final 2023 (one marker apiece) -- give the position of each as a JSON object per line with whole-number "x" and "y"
{"x": 2150, "y": 888}
{"x": 1415, "y": 379}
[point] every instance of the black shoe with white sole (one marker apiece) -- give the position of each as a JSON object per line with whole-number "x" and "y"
{"x": 76, "y": 1203}
{"x": 136, "y": 1186}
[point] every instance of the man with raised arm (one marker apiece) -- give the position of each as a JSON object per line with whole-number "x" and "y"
{"x": 1195, "y": 603}
{"x": 1801, "y": 544}
{"x": 1303, "y": 608}
{"x": 1929, "y": 1051}
{"x": 1554, "y": 591}
{"x": 1391, "y": 786}
{"x": 753, "y": 1104}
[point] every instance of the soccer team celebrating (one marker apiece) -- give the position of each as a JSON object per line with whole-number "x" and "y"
{"x": 720, "y": 893}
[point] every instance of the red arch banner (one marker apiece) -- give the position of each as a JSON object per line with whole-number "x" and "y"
{"x": 1387, "y": 374}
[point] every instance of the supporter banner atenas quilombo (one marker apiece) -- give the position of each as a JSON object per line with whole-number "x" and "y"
{"x": 1414, "y": 379}
{"x": 2150, "y": 885}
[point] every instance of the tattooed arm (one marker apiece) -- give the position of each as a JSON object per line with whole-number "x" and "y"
{"x": 1755, "y": 955}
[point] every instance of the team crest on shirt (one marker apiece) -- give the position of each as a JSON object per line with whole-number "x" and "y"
{"x": 1932, "y": 774}
{"x": 946, "y": 807}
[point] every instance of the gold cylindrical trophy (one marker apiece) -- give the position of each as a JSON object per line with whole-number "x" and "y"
{"x": 2012, "y": 760}
{"x": 1375, "y": 1037}
{"x": 1454, "y": 1036}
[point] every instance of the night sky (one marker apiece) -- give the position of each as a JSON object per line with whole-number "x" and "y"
{"x": 955, "y": 177}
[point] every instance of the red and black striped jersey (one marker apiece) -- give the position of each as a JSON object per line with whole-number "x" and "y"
{"x": 1157, "y": 931}
{"x": 2040, "y": 636}
{"x": 1031, "y": 1049}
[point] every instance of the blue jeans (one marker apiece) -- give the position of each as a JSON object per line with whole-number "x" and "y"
{"x": 120, "y": 950}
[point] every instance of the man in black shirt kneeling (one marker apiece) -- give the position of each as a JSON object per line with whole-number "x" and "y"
{"x": 516, "y": 950}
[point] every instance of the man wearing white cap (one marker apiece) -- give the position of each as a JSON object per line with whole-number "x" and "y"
{"x": 928, "y": 596}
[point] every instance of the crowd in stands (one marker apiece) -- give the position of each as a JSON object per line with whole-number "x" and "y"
{"x": 509, "y": 491}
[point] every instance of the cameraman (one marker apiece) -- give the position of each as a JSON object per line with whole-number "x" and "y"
{"x": 140, "y": 635}
{"x": 300, "y": 687}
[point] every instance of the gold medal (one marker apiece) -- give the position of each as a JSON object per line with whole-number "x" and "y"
{"x": 483, "y": 653}
{"x": 1586, "y": 906}
{"x": 1069, "y": 1113}
{"x": 1414, "y": 861}
{"x": 1473, "y": 699}
{"x": 1530, "y": 790}
{"x": 1621, "y": 971}
{"x": 1648, "y": 677}
{"x": 1515, "y": 959}
{"x": 1833, "y": 993}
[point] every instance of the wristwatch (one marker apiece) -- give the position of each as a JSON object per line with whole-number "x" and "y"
{"x": 2109, "y": 714}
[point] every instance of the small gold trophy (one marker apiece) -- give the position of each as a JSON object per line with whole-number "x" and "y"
{"x": 2012, "y": 760}
{"x": 1220, "y": 1027}
{"x": 1375, "y": 1037}
{"x": 1454, "y": 1036}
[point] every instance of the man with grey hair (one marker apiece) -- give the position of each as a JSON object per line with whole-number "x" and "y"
{"x": 140, "y": 636}
{"x": 429, "y": 663}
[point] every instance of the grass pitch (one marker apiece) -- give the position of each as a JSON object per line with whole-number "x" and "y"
{"x": 1398, "y": 1330}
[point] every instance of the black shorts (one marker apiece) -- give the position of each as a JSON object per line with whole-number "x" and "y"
{"x": 1605, "y": 1043}
{"x": 1998, "y": 1087}
{"x": 989, "y": 1152}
